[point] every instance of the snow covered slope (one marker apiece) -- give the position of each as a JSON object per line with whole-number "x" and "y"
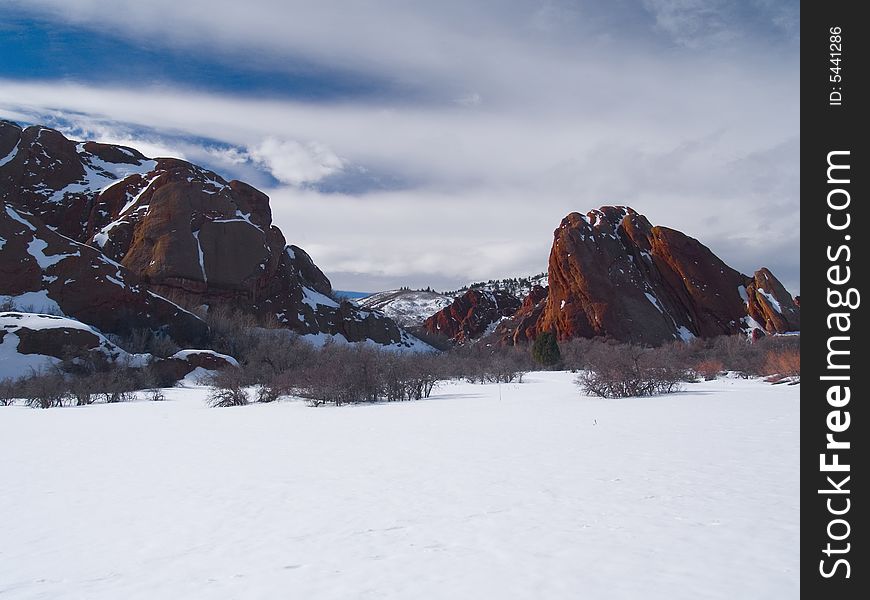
{"x": 406, "y": 307}
{"x": 506, "y": 492}
{"x": 31, "y": 343}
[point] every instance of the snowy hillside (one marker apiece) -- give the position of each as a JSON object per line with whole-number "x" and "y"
{"x": 511, "y": 492}
{"x": 406, "y": 307}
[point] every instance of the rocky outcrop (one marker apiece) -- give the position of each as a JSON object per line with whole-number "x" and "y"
{"x": 30, "y": 343}
{"x": 611, "y": 273}
{"x": 471, "y": 314}
{"x": 523, "y": 324}
{"x": 185, "y": 362}
{"x": 769, "y": 304}
{"x": 181, "y": 230}
{"x": 43, "y": 271}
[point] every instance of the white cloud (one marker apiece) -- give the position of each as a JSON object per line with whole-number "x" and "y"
{"x": 294, "y": 163}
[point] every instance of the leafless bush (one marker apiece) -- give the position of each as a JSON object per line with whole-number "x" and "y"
{"x": 10, "y": 390}
{"x": 111, "y": 387}
{"x": 48, "y": 390}
{"x": 155, "y": 395}
{"x": 622, "y": 371}
{"x": 222, "y": 397}
{"x": 82, "y": 390}
{"x": 146, "y": 341}
{"x": 488, "y": 364}
{"x": 709, "y": 368}
{"x": 735, "y": 353}
{"x": 231, "y": 331}
{"x": 267, "y": 393}
{"x": 272, "y": 352}
{"x": 351, "y": 374}
{"x": 227, "y": 389}
{"x": 781, "y": 363}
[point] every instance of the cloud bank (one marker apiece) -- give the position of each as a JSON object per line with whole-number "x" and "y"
{"x": 494, "y": 121}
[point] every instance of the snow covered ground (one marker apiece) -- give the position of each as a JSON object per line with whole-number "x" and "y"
{"x": 483, "y": 491}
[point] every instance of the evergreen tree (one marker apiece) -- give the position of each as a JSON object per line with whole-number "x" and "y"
{"x": 545, "y": 349}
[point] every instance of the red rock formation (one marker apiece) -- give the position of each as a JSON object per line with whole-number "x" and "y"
{"x": 47, "y": 272}
{"x": 183, "y": 231}
{"x": 471, "y": 314}
{"x": 523, "y": 324}
{"x": 770, "y": 305}
{"x": 611, "y": 273}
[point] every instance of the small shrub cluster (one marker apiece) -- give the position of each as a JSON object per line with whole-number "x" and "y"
{"x": 341, "y": 374}
{"x": 488, "y": 364}
{"x": 782, "y": 363}
{"x": 57, "y": 387}
{"x": 278, "y": 363}
{"x": 622, "y": 371}
{"x": 706, "y": 358}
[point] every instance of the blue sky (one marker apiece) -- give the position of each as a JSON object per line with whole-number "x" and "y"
{"x": 418, "y": 143}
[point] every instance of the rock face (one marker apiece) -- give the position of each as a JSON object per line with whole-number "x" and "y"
{"x": 43, "y": 271}
{"x": 181, "y": 231}
{"x": 523, "y": 324}
{"x": 611, "y": 273}
{"x": 471, "y": 314}
{"x": 771, "y": 305}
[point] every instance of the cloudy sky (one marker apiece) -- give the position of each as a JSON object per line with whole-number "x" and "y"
{"x": 421, "y": 143}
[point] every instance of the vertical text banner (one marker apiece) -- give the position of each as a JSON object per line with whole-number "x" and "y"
{"x": 834, "y": 259}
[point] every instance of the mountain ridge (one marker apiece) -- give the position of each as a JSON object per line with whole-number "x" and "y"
{"x": 173, "y": 228}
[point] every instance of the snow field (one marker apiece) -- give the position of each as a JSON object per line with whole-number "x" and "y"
{"x": 483, "y": 491}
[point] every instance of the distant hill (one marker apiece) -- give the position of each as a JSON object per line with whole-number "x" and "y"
{"x": 519, "y": 287}
{"x": 406, "y": 307}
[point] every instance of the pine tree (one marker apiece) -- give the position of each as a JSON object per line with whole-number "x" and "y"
{"x": 545, "y": 350}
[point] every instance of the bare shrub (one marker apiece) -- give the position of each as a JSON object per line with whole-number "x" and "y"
{"x": 227, "y": 389}
{"x": 351, "y": 374}
{"x": 115, "y": 386}
{"x": 222, "y": 397}
{"x": 622, "y": 371}
{"x": 267, "y": 393}
{"x": 782, "y": 363}
{"x": 146, "y": 341}
{"x": 82, "y": 390}
{"x": 271, "y": 352}
{"x": 10, "y": 390}
{"x": 155, "y": 395}
{"x": 231, "y": 331}
{"x": 709, "y": 368}
{"x": 45, "y": 391}
{"x": 489, "y": 364}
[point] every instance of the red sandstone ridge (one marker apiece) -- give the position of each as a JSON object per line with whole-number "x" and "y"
{"x": 44, "y": 271}
{"x": 611, "y": 273}
{"x": 471, "y": 314}
{"x": 177, "y": 229}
